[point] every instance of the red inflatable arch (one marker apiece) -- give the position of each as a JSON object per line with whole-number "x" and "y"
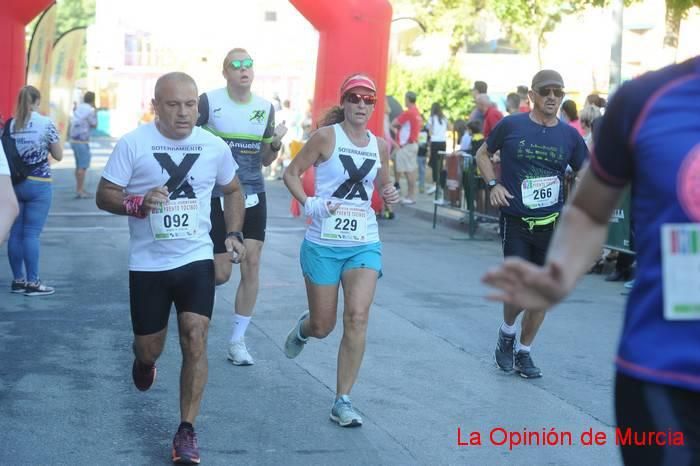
{"x": 353, "y": 36}
{"x": 14, "y": 15}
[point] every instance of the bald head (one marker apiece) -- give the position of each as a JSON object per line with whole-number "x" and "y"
{"x": 175, "y": 103}
{"x": 174, "y": 78}
{"x": 483, "y": 102}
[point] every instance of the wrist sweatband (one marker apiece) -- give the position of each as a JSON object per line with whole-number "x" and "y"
{"x": 132, "y": 205}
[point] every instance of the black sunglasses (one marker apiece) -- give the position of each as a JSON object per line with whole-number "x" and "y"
{"x": 544, "y": 92}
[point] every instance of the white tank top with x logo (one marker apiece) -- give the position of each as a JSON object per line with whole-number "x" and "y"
{"x": 347, "y": 177}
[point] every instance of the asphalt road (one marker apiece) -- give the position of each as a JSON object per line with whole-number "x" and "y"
{"x": 66, "y": 395}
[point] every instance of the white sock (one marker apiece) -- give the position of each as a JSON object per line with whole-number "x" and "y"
{"x": 240, "y": 324}
{"x": 520, "y": 347}
{"x": 508, "y": 329}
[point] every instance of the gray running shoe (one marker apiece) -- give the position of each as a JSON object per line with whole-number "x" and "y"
{"x": 504, "y": 351}
{"x": 525, "y": 366}
{"x": 294, "y": 343}
{"x": 37, "y": 289}
{"x": 18, "y": 286}
{"x": 344, "y": 414}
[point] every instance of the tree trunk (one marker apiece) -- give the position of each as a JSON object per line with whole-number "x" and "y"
{"x": 673, "y": 27}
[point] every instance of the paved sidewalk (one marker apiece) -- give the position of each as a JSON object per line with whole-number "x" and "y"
{"x": 67, "y": 398}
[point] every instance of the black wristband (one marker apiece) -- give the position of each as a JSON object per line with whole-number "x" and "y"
{"x": 235, "y": 234}
{"x": 275, "y": 149}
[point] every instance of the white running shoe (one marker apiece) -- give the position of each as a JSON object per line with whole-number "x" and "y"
{"x": 238, "y": 354}
{"x": 431, "y": 190}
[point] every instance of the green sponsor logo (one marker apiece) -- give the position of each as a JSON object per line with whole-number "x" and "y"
{"x": 258, "y": 116}
{"x": 686, "y": 309}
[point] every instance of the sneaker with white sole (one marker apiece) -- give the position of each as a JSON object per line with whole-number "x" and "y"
{"x": 238, "y": 354}
{"x": 525, "y": 366}
{"x": 18, "y": 286}
{"x": 344, "y": 414}
{"x": 504, "y": 351}
{"x": 431, "y": 190}
{"x": 294, "y": 343}
{"x": 37, "y": 289}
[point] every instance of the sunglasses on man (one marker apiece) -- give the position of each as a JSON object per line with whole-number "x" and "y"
{"x": 356, "y": 98}
{"x": 246, "y": 63}
{"x": 544, "y": 92}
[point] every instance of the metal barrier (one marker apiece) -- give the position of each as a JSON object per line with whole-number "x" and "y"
{"x": 472, "y": 201}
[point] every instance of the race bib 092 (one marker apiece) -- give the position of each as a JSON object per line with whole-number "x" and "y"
{"x": 176, "y": 219}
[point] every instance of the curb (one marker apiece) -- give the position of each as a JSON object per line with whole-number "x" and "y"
{"x": 484, "y": 230}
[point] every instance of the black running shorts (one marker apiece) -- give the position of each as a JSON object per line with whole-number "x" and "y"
{"x": 152, "y": 294}
{"x": 645, "y": 407}
{"x": 254, "y": 224}
{"x": 519, "y": 241}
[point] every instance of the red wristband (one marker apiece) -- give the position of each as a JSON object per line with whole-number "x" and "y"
{"x": 133, "y": 204}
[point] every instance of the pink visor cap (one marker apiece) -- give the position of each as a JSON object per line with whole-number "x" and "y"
{"x": 357, "y": 80}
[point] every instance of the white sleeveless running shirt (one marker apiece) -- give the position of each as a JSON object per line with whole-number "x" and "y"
{"x": 347, "y": 177}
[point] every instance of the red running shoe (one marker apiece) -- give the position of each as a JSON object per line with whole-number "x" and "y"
{"x": 143, "y": 375}
{"x": 185, "y": 447}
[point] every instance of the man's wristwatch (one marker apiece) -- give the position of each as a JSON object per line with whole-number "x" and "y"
{"x": 235, "y": 234}
{"x": 275, "y": 148}
{"x": 492, "y": 183}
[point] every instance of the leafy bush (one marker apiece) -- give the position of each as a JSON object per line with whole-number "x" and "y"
{"x": 445, "y": 86}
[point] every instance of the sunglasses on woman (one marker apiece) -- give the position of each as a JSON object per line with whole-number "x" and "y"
{"x": 544, "y": 92}
{"x": 246, "y": 63}
{"x": 355, "y": 98}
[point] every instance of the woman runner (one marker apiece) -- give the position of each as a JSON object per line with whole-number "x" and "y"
{"x": 342, "y": 242}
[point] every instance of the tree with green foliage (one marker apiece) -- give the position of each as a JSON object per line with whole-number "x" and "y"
{"x": 456, "y": 17}
{"x": 74, "y": 13}
{"x": 445, "y": 86}
{"x": 69, "y": 14}
{"x": 676, "y": 10}
{"x": 522, "y": 20}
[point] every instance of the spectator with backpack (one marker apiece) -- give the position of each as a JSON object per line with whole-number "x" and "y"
{"x": 29, "y": 138}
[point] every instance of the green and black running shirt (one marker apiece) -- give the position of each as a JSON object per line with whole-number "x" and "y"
{"x": 244, "y": 127}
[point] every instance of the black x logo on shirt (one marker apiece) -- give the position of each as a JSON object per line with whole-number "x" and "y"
{"x": 177, "y": 185}
{"x": 352, "y": 187}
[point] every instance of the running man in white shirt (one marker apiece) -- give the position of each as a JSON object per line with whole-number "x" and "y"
{"x": 162, "y": 175}
{"x": 342, "y": 243}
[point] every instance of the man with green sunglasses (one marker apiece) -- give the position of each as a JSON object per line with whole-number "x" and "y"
{"x": 246, "y": 122}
